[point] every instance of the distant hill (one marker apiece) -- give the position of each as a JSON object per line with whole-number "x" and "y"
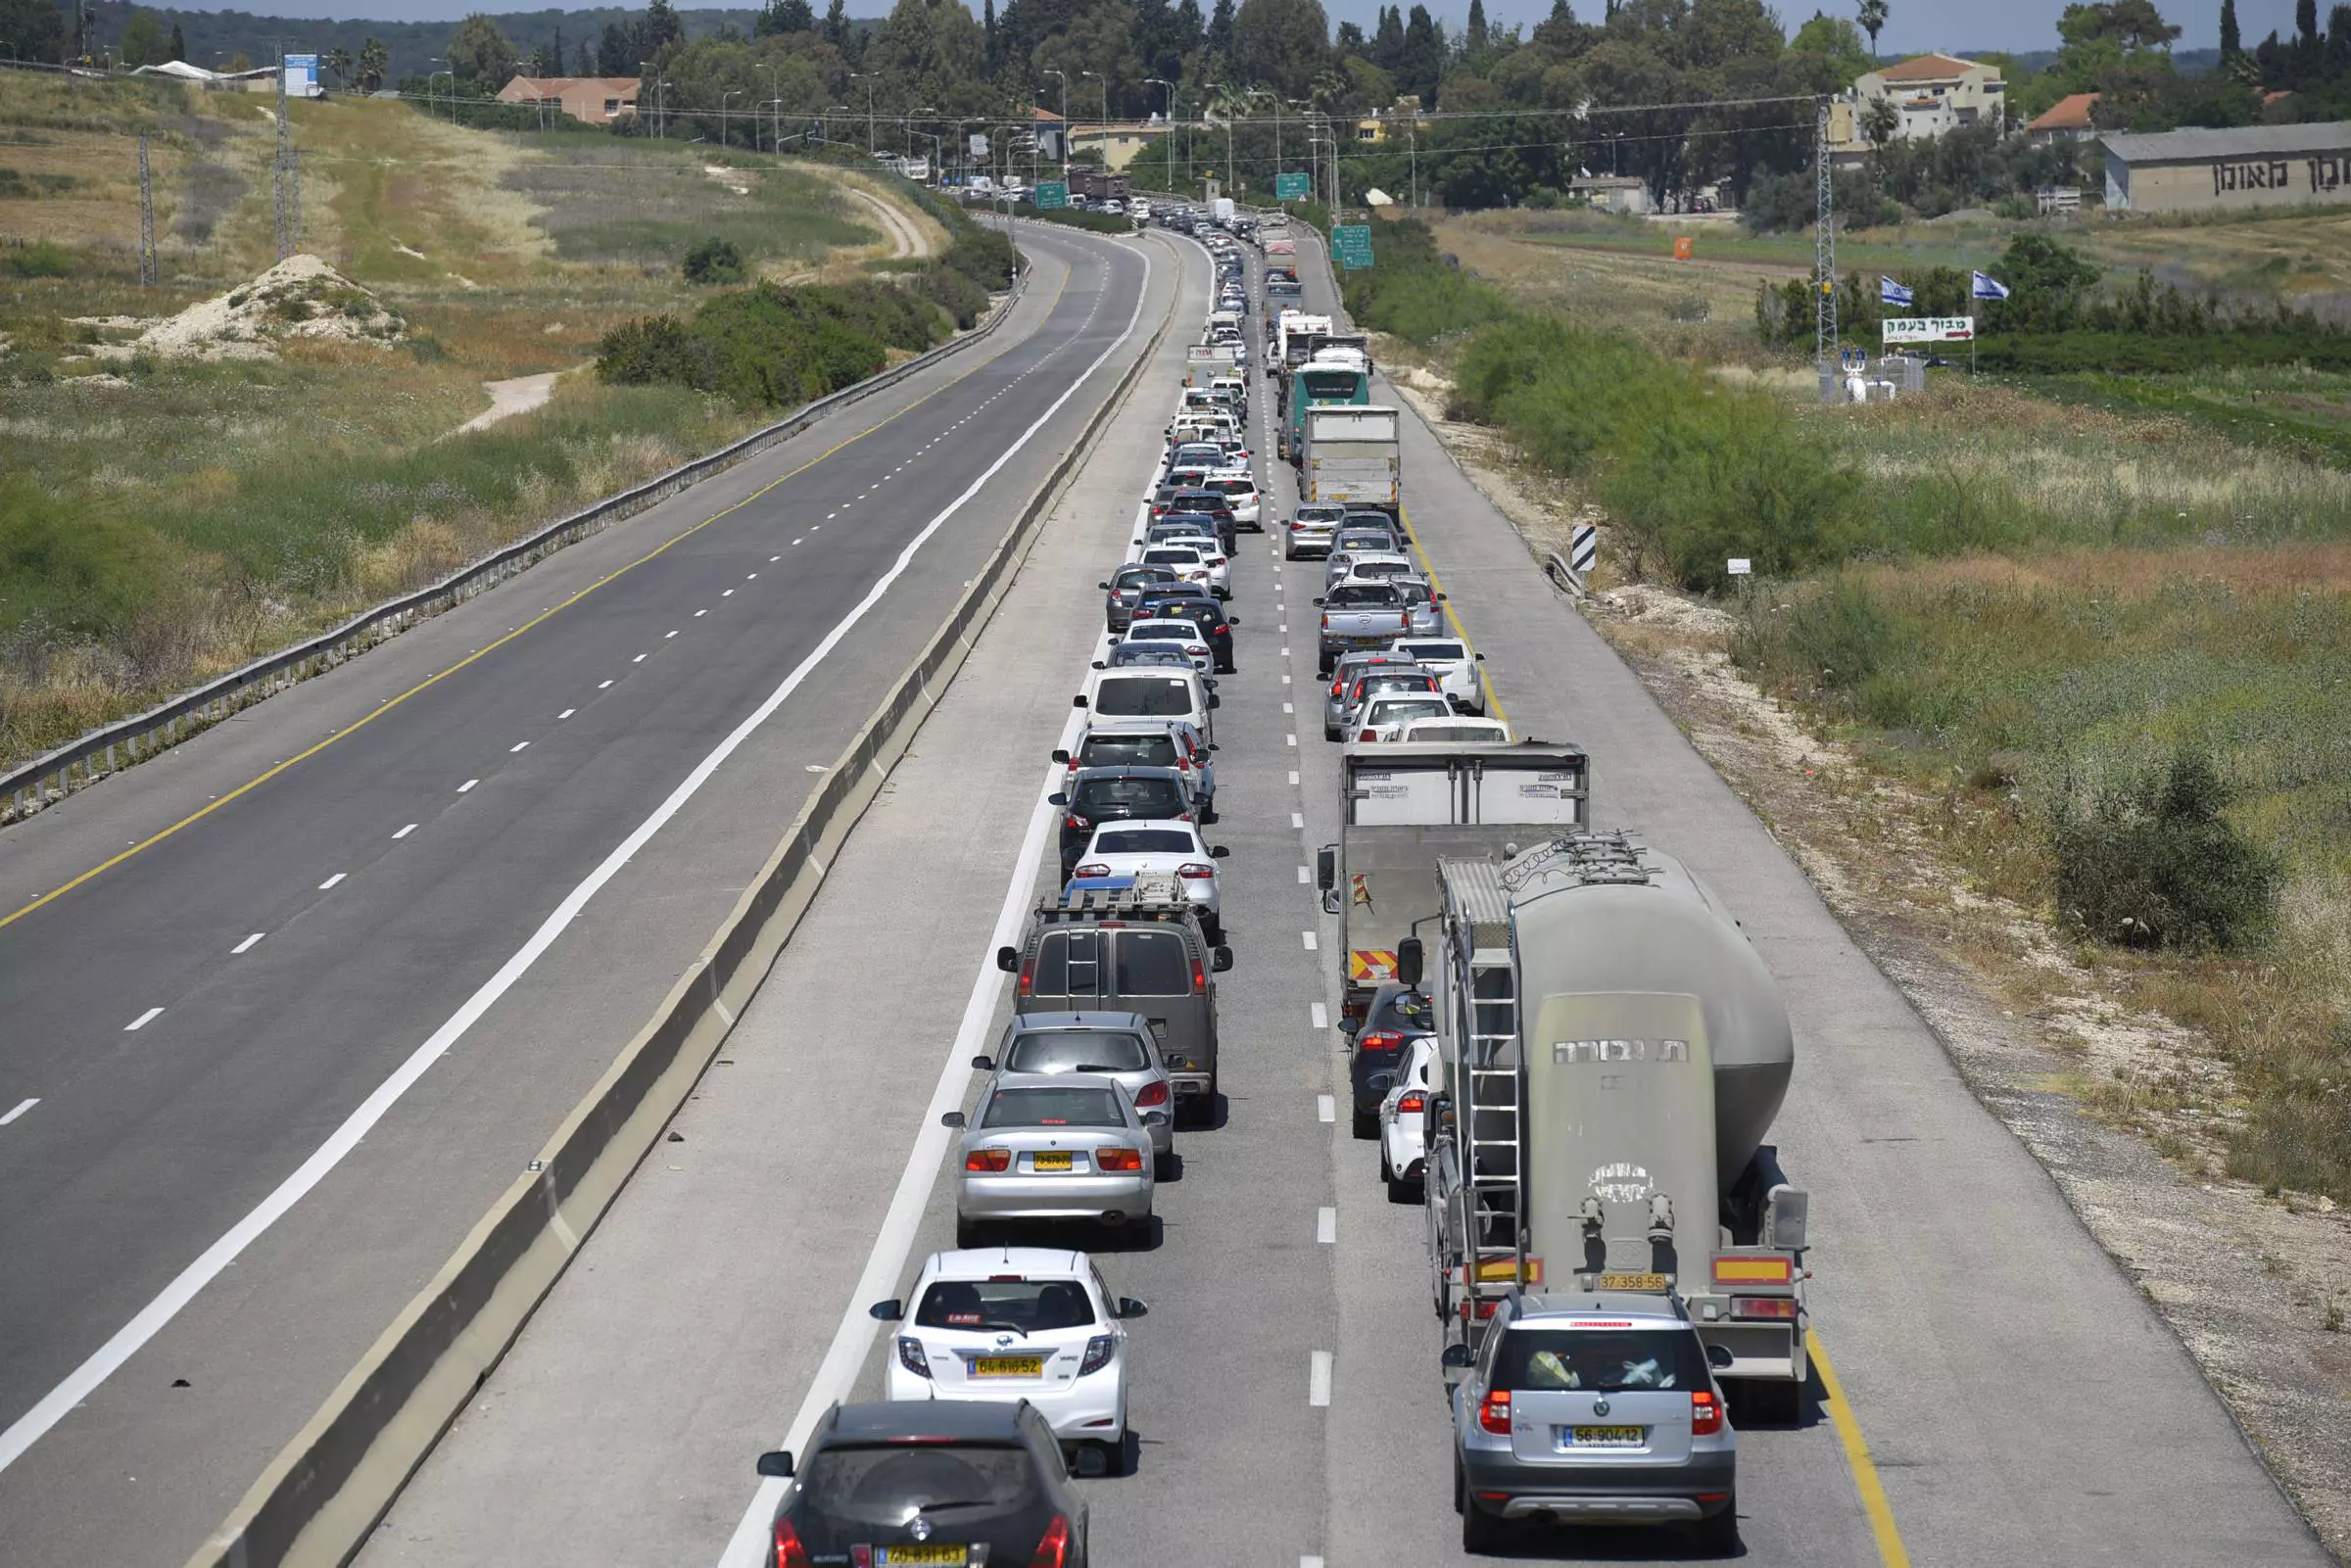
{"x": 2027, "y": 61}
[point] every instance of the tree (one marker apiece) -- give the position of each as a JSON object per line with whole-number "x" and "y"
{"x": 662, "y": 28}
{"x": 2233, "y": 43}
{"x": 144, "y": 40}
{"x": 1474, "y": 36}
{"x": 375, "y": 64}
{"x": 1880, "y": 119}
{"x": 1349, "y": 39}
{"x": 179, "y": 43}
{"x": 1387, "y": 40}
{"x": 1284, "y": 44}
{"x": 1836, "y": 44}
{"x": 337, "y": 63}
{"x": 987, "y": 25}
{"x": 785, "y": 16}
{"x": 1871, "y": 14}
{"x": 1219, "y": 36}
{"x": 836, "y": 26}
{"x": 1422, "y": 62}
{"x": 480, "y": 57}
{"x": 2306, "y": 25}
{"x": 34, "y": 28}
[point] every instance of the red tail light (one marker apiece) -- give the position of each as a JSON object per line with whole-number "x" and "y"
{"x": 1753, "y": 1306}
{"x": 1380, "y": 1040}
{"x": 1153, "y": 1093}
{"x": 1079, "y": 823}
{"x": 1091, "y": 869}
{"x": 1028, "y": 977}
{"x": 1117, "y": 1159}
{"x": 1335, "y": 685}
{"x": 1414, "y": 1101}
{"x": 1368, "y": 734}
{"x": 789, "y": 1553}
{"x": 1053, "y": 1551}
{"x": 991, "y": 1160}
{"x": 1325, "y": 623}
{"x": 1705, "y": 1414}
{"x": 1199, "y": 981}
{"x": 1494, "y": 1414}
{"x": 1195, "y": 869}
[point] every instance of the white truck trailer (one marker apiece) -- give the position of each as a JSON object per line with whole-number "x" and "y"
{"x": 1350, "y": 455}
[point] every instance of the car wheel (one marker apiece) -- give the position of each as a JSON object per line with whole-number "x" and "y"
{"x": 1461, "y": 1489}
{"x": 1481, "y": 1532}
{"x": 1366, "y": 1123}
{"x": 1718, "y": 1537}
{"x": 1113, "y": 1455}
{"x": 1330, "y": 732}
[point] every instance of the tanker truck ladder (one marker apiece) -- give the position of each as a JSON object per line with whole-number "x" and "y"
{"x": 1497, "y": 1158}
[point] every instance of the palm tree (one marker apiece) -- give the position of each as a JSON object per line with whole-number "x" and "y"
{"x": 375, "y": 64}
{"x": 1330, "y": 89}
{"x": 1880, "y": 119}
{"x": 1230, "y": 102}
{"x": 338, "y": 60}
{"x": 1872, "y": 16}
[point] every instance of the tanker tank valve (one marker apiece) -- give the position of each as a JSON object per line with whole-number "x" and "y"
{"x": 1593, "y": 1216}
{"x": 1660, "y": 1217}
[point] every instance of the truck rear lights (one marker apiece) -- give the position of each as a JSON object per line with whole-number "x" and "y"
{"x": 1494, "y": 1411}
{"x": 989, "y": 1160}
{"x": 1764, "y": 1306}
{"x": 789, "y": 1553}
{"x": 1705, "y": 1414}
{"x": 1117, "y": 1159}
{"x": 911, "y": 1356}
{"x": 1097, "y": 1353}
{"x": 1151, "y": 1094}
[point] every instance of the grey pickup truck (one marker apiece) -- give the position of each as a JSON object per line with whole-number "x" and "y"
{"x": 1360, "y": 615}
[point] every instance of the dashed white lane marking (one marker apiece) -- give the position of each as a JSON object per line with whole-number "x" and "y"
{"x": 1285, "y": 651}
{"x": 331, "y": 880}
{"x": 1310, "y": 1562}
{"x": 1292, "y": 738}
{"x": 699, "y": 614}
{"x": 22, "y": 1106}
{"x": 772, "y": 559}
{"x": 665, "y": 637}
{"x": 1318, "y": 1380}
{"x": 751, "y": 577}
{"x": 1311, "y": 943}
{"x": 143, "y": 1020}
{"x": 1302, "y": 876}
{"x": 1297, "y": 819}
{"x": 247, "y": 945}
{"x": 467, "y": 785}
{"x": 1326, "y": 1109}
{"x": 1326, "y": 1224}
{"x": 1286, "y": 680}
{"x": 566, "y": 713}
{"x": 1286, "y": 708}
{"x": 795, "y": 541}
{"x": 602, "y": 685}
{"x": 1294, "y": 775}
{"x": 728, "y": 593}
{"x": 404, "y": 831}
{"x": 639, "y": 659}
{"x": 517, "y": 747}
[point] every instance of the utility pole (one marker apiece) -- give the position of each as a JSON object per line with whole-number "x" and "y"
{"x": 1162, "y": 82}
{"x": 146, "y": 222}
{"x": 1824, "y": 259}
{"x": 859, "y": 75}
{"x": 1414, "y": 128}
{"x": 280, "y": 171}
{"x": 1065, "y": 119}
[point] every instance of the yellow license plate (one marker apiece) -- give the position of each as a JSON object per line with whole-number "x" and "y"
{"x": 923, "y": 1557}
{"x": 1008, "y": 1367}
{"x": 1632, "y": 1282}
{"x": 1604, "y": 1437}
{"x": 1051, "y": 1160}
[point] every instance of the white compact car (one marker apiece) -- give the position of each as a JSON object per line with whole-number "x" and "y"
{"x": 1181, "y": 636}
{"x": 1456, "y": 667}
{"x": 1457, "y": 731}
{"x": 1142, "y": 848}
{"x": 1008, "y": 1323}
{"x": 1189, "y": 563}
{"x": 1402, "y": 1133}
{"x": 1239, "y": 489}
{"x": 1383, "y": 718}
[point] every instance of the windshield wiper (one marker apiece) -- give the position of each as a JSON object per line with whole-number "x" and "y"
{"x": 1013, "y": 1328}
{"x": 958, "y": 1503}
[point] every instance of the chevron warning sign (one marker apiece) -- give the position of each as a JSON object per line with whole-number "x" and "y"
{"x": 1368, "y": 966}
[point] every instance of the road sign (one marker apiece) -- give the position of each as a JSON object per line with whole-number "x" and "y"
{"x": 1928, "y": 329}
{"x": 1052, "y": 192}
{"x": 1293, "y": 187}
{"x": 977, "y": 145}
{"x": 1351, "y": 245}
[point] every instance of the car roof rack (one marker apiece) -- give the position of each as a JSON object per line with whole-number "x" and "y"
{"x": 1157, "y": 896}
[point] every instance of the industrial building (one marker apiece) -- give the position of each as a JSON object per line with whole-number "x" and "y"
{"x": 2255, "y": 166}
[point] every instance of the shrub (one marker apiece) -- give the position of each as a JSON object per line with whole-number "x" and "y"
{"x": 1835, "y": 635}
{"x": 2151, "y": 862}
{"x": 1414, "y": 295}
{"x": 42, "y": 259}
{"x": 714, "y": 261}
{"x": 773, "y": 347}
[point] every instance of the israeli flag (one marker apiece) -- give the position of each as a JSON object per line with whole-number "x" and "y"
{"x": 1891, "y": 293}
{"x": 1989, "y": 288}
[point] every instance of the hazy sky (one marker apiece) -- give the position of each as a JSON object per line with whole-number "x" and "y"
{"x": 2016, "y": 24}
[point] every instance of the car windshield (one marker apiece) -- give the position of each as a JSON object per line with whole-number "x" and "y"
{"x": 884, "y": 1483}
{"x": 1359, "y": 595}
{"x": 1143, "y": 841}
{"x": 1128, "y": 751}
{"x": 1128, "y": 797}
{"x": 1602, "y": 1361}
{"x": 1143, "y": 697}
{"x": 1072, "y": 1050}
{"x": 1432, "y": 651}
{"x": 1022, "y": 1305}
{"x": 1053, "y": 1108}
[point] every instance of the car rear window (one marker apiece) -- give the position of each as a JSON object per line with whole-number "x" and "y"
{"x": 1405, "y": 1009}
{"x": 1360, "y": 595}
{"x": 1134, "y": 797}
{"x": 1395, "y": 710}
{"x": 1127, "y": 751}
{"x": 1233, "y": 487}
{"x": 1600, "y": 1359}
{"x": 1172, "y": 555}
{"x": 1432, "y": 651}
{"x": 1161, "y": 628}
{"x": 1023, "y": 1305}
{"x": 1153, "y": 964}
{"x": 1071, "y": 1050}
{"x": 1383, "y": 684}
{"x": 1138, "y": 575}
{"x": 1148, "y": 652}
{"x": 1142, "y": 841}
{"x": 1053, "y": 1108}
{"x": 881, "y": 1483}
{"x": 1143, "y": 697}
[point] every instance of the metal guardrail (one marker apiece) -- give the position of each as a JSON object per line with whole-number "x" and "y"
{"x": 47, "y": 780}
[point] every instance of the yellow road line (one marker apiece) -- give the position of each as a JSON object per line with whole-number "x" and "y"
{"x": 1494, "y": 707}
{"x": 1857, "y": 1458}
{"x": 389, "y": 704}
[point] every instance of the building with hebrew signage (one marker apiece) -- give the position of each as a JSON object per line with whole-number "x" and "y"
{"x": 2256, "y": 165}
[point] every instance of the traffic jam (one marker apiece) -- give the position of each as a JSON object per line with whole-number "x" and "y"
{"x": 1616, "y": 1262}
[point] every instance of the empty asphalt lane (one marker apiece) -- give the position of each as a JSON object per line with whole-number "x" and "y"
{"x": 148, "y": 1145}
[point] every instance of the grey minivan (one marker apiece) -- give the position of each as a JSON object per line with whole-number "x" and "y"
{"x": 1112, "y": 952}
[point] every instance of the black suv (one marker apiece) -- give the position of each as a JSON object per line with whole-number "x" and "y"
{"x": 927, "y": 1479}
{"x": 1185, "y": 604}
{"x": 1097, "y": 795}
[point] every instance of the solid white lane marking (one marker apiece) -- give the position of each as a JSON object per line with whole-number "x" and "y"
{"x": 1310, "y": 940}
{"x": 1321, "y": 1015}
{"x": 404, "y": 831}
{"x": 1326, "y": 1224}
{"x": 1326, "y": 1109}
{"x": 568, "y": 713}
{"x": 142, "y": 1021}
{"x": 1318, "y": 1380}
{"x": 517, "y": 747}
{"x": 246, "y": 945}
{"x": 22, "y": 1106}
{"x": 467, "y": 785}
{"x": 331, "y": 880}
{"x": 1302, "y": 876}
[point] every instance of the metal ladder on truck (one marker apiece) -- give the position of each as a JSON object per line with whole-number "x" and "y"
{"x": 1492, "y": 1200}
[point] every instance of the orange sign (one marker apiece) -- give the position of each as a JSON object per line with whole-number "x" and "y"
{"x": 1371, "y": 965}
{"x": 1681, "y": 246}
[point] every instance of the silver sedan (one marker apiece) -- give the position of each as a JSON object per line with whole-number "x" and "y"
{"x": 1054, "y": 1147}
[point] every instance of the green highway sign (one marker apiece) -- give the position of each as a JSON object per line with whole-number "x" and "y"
{"x": 1293, "y": 187}
{"x": 1052, "y": 192}
{"x": 1351, "y": 245}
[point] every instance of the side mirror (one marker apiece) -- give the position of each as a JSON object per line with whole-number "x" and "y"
{"x": 1058, "y": 798}
{"x": 1349, "y": 1025}
{"x": 1008, "y": 959}
{"x": 1477, "y": 655}
{"x": 1407, "y": 961}
{"x": 777, "y": 1465}
{"x": 1232, "y": 620}
{"x": 1102, "y": 585}
{"x": 1457, "y": 1357}
{"x": 890, "y": 1312}
{"x": 1440, "y": 598}
{"x": 983, "y": 1064}
{"x": 1219, "y": 851}
{"x": 1128, "y": 1306}
{"x": 1155, "y": 1118}
{"x": 1318, "y": 604}
{"x": 1099, "y": 665}
{"x": 1077, "y": 702}
{"x": 952, "y": 1118}
{"x": 1719, "y": 1356}
{"x": 1220, "y": 960}
{"x": 1213, "y": 746}
{"x": 1327, "y": 867}
{"x": 1060, "y": 755}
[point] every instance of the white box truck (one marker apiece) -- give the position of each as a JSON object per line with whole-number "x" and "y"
{"x": 1349, "y": 456}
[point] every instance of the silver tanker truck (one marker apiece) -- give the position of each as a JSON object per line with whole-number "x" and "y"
{"x": 1611, "y": 1054}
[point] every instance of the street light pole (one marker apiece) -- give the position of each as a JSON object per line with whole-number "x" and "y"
{"x": 1162, "y": 82}
{"x": 1065, "y": 119}
{"x": 1105, "y": 145}
{"x": 859, "y": 75}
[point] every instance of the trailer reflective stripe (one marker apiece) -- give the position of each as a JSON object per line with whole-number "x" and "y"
{"x": 1371, "y": 964}
{"x": 1755, "y": 1270}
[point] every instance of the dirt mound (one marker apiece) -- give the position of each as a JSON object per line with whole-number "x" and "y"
{"x": 300, "y": 296}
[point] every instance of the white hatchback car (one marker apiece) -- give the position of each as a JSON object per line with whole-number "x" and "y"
{"x": 1455, "y": 664}
{"x": 1189, "y": 563}
{"x": 1002, "y": 1324}
{"x": 1402, "y": 1131}
{"x": 1141, "y": 847}
{"x": 1180, "y": 635}
{"x": 1213, "y": 562}
{"x": 1383, "y": 718}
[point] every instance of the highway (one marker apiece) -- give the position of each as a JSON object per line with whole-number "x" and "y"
{"x": 287, "y": 1050}
{"x": 2004, "y": 1397}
